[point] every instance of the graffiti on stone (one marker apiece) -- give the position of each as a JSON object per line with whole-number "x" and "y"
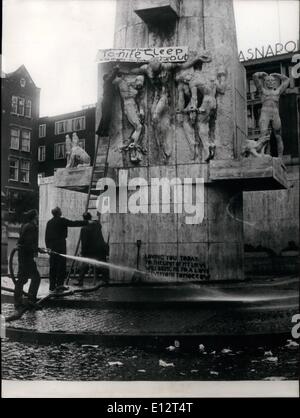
{"x": 182, "y": 267}
{"x": 166, "y": 54}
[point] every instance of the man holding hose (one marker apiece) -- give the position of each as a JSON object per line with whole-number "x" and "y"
{"x": 55, "y": 238}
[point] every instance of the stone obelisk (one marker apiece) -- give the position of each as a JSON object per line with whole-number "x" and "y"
{"x": 179, "y": 112}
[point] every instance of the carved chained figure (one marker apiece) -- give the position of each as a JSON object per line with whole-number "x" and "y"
{"x": 254, "y": 148}
{"x": 130, "y": 93}
{"x": 267, "y": 86}
{"x": 78, "y": 156}
{"x": 207, "y": 111}
{"x": 204, "y": 116}
{"x": 186, "y": 118}
{"x": 159, "y": 75}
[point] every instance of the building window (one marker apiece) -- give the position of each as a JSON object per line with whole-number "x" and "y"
{"x": 60, "y": 151}
{"x": 14, "y": 105}
{"x": 14, "y": 138}
{"x": 42, "y": 153}
{"x": 24, "y": 171}
{"x": 22, "y": 82}
{"x": 78, "y": 124}
{"x": 28, "y": 108}
{"x": 25, "y": 141}
{"x": 42, "y": 131}
{"x": 13, "y": 169}
{"x": 21, "y": 106}
{"x": 69, "y": 125}
{"x": 60, "y": 127}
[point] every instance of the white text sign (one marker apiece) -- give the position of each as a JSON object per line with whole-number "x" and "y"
{"x": 163, "y": 54}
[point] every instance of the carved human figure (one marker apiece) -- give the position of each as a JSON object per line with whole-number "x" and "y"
{"x": 185, "y": 118}
{"x": 130, "y": 93}
{"x": 190, "y": 84}
{"x": 68, "y": 148}
{"x": 267, "y": 86}
{"x": 78, "y": 156}
{"x": 159, "y": 74}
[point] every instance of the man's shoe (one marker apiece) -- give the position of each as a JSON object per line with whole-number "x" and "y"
{"x": 33, "y": 306}
{"x": 20, "y": 307}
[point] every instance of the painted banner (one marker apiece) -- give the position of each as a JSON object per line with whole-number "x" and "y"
{"x": 163, "y": 54}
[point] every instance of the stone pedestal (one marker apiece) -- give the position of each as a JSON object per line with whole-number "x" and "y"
{"x": 76, "y": 179}
{"x": 169, "y": 248}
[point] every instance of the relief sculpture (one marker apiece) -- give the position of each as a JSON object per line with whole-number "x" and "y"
{"x": 197, "y": 107}
{"x": 160, "y": 76}
{"x": 130, "y": 93}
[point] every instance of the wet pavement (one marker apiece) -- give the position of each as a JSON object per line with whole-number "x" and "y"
{"x": 261, "y": 306}
{"x": 152, "y": 321}
{"x": 84, "y": 362}
{"x": 259, "y": 289}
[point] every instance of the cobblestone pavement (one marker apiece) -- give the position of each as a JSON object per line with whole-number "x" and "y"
{"x": 86, "y": 362}
{"x": 80, "y": 362}
{"x": 158, "y": 321}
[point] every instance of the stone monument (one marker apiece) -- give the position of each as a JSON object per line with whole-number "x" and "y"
{"x": 178, "y": 119}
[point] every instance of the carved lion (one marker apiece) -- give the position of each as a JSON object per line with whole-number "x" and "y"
{"x": 255, "y": 148}
{"x": 78, "y": 157}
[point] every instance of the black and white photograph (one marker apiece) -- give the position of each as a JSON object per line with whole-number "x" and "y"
{"x": 150, "y": 201}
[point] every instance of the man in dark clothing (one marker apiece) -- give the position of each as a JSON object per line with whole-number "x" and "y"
{"x": 55, "y": 238}
{"x": 27, "y": 250}
{"x": 92, "y": 246}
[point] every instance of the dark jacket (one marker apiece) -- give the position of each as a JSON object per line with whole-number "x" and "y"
{"x": 57, "y": 232}
{"x": 92, "y": 241}
{"x": 28, "y": 240}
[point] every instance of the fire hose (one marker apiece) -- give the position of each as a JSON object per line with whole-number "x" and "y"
{"x": 14, "y": 277}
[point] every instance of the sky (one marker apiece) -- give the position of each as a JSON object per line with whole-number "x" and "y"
{"x": 57, "y": 41}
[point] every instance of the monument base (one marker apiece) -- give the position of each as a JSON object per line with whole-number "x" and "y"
{"x": 167, "y": 246}
{"x": 264, "y": 173}
{"x": 75, "y": 179}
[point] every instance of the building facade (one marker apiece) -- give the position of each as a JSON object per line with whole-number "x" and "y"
{"x": 19, "y": 167}
{"x": 52, "y": 133}
{"x": 20, "y": 114}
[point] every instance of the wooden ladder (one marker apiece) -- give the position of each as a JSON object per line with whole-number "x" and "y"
{"x": 91, "y": 201}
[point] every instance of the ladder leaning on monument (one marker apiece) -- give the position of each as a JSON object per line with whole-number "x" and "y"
{"x": 92, "y": 184}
